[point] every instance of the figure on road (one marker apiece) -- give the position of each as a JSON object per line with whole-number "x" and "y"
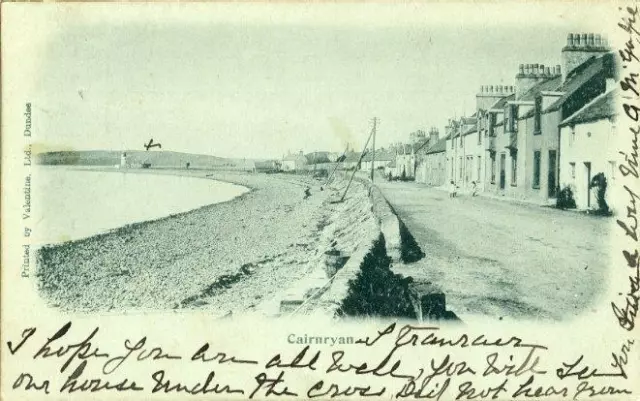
{"x": 453, "y": 189}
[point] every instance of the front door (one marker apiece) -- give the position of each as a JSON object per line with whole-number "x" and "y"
{"x": 587, "y": 166}
{"x": 552, "y": 174}
{"x": 503, "y": 166}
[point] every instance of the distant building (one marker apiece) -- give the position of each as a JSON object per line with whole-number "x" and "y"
{"x": 269, "y": 166}
{"x": 382, "y": 158}
{"x": 293, "y": 162}
{"x": 350, "y": 160}
{"x": 318, "y": 157}
{"x": 405, "y": 162}
{"x": 587, "y": 140}
{"x": 432, "y": 170}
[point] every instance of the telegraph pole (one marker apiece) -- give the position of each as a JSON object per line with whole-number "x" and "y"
{"x": 359, "y": 161}
{"x": 373, "y": 149}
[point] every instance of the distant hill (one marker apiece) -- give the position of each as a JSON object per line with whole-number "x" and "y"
{"x": 135, "y": 158}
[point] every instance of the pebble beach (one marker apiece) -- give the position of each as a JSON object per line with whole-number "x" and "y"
{"x": 227, "y": 257}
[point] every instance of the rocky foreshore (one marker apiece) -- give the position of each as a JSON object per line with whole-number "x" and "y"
{"x": 227, "y": 257}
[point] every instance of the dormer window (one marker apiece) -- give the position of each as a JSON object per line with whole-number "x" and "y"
{"x": 537, "y": 115}
{"x": 507, "y": 119}
{"x": 492, "y": 122}
{"x": 513, "y": 118}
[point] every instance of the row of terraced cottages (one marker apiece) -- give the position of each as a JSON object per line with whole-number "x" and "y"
{"x": 553, "y": 129}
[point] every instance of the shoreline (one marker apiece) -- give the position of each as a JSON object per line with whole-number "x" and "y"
{"x": 226, "y": 257}
{"x": 142, "y": 219}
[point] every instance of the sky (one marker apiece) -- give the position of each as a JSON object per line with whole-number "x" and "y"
{"x": 238, "y": 82}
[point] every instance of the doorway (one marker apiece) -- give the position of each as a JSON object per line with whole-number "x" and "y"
{"x": 552, "y": 174}
{"x": 503, "y": 162}
{"x": 587, "y": 166}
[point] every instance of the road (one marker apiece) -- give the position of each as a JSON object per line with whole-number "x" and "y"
{"x": 498, "y": 259}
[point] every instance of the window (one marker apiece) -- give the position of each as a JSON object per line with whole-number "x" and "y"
{"x": 572, "y": 139}
{"x": 536, "y": 169}
{"x": 612, "y": 170}
{"x": 507, "y": 119}
{"x": 510, "y": 118}
{"x": 573, "y": 170}
{"x": 493, "y": 168}
{"x": 479, "y": 178}
{"x": 514, "y": 118}
{"x": 492, "y": 123}
{"x": 514, "y": 169}
{"x": 536, "y": 116}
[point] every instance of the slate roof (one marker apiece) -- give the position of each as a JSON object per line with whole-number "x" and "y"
{"x": 352, "y": 157}
{"x": 552, "y": 84}
{"x": 381, "y": 155}
{"x": 317, "y": 157}
{"x": 602, "y": 107}
{"x": 574, "y": 82}
{"x": 269, "y": 164}
{"x": 549, "y": 85}
{"x": 295, "y": 157}
{"x": 439, "y": 147}
{"x": 581, "y": 75}
{"x": 470, "y": 130}
{"x": 499, "y": 105}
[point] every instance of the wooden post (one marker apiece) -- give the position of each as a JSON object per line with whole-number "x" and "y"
{"x": 359, "y": 161}
{"x": 373, "y": 150}
{"x": 336, "y": 167}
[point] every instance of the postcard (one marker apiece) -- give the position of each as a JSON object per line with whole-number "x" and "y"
{"x": 315, "y": 200}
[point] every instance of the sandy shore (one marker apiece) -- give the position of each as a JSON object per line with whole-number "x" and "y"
{"x": 227, "y": 257}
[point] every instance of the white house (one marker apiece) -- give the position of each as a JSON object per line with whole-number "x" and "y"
{"x": 588, "y": 147}
{"x": 293, "y": 162}
{"x": 382, "y": 159}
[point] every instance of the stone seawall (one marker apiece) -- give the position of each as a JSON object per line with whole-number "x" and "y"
{"x": 356, "y": 288}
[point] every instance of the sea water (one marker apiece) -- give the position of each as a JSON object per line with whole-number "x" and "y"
{"x": 70, "y": 204}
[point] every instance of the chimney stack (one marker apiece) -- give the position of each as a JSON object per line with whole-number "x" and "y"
{"x": 521, "y": 69}
{"x": 580, "y": 48}
{"x": 547, "y": 71}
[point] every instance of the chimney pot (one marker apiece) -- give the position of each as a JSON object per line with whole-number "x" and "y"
{"x": 491, "y": 89}
{"x": 541, "y": 69}
{"x": 521, "y": 69}
{"x": 526, "y": 69}
{"x": 598, "y": 40}
{"x": 576, "y": 40}
{"x": 558, "y": 70}
{"x": 547, "y": 71}
{"x": 536, "y": 69}
{"x": 570, "y": 40}
{"x": 591, "y": 39}
{"x": 584, "y": 39}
